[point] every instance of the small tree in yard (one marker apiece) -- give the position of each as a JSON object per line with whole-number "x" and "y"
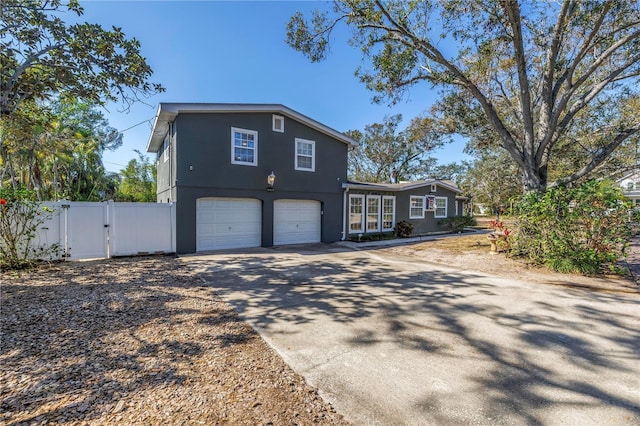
{"x": 581, "y": 229}
{"x": 20, "y": 218}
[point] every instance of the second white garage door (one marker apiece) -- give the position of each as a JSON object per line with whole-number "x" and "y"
{"x": 224, "y": 223}
{"x": 296, "y": 222}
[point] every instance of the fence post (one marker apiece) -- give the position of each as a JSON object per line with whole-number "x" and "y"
{"x": 64, "y": 227}
{"x": 172, "y": 224}
{"x": 111, "y": 236}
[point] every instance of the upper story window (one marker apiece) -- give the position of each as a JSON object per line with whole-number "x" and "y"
{"x": 166, "y": 148}
{"x": 441, "y": 207}
{"x": 278, "y": 123}
{"x": 416, "y": 207}
{"x": 305, "y": 155}
{"x": 629, "y": 186}
{"x": 244, "y": 147}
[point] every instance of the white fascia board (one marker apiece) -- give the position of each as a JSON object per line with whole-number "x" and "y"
{"x": 168, "y": 111}
{"x": 376, "y": 187}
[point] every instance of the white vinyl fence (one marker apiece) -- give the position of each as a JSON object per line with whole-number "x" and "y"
{"x": 86, "y": 230}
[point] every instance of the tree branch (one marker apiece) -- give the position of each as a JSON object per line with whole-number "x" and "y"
{"x": 548, "y": 94}
{"x": 599, "y": 159}
{"x": 433, "y": 53}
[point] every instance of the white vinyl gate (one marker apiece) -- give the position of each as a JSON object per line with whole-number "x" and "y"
{"x": 86, "y": 230}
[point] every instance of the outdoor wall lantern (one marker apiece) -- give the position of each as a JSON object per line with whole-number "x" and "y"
{"x": 271, "y": 179}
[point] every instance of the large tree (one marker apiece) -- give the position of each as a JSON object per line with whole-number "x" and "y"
{"x": 42, "y": 54}
{"x": 55, "y": 149}
{"x": 535, "y": 77}
{"x": 388, "y": 154}
{"x": 138, "y": 180}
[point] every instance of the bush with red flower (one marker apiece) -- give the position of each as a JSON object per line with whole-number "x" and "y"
{"x": 499, "y": 236}
{"x": 21, "y": 216}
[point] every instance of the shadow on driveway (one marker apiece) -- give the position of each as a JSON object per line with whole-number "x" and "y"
{"x": 392, "y": 341}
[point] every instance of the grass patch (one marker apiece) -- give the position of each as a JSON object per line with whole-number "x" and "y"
{"x": 460, "y": 244}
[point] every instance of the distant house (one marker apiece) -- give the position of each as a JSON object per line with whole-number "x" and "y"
{"x": 251, "y": 175}
{"x": 630, "y": 185}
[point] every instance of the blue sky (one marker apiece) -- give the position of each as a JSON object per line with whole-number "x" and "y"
{"x": 214, "y": 51}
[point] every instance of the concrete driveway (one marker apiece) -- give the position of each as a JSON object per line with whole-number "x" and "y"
{"x": 402, "y": 341}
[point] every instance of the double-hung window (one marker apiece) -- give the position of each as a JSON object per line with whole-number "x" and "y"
{"x": 356, "y": 213}
{"x": 244, "y": 147}
{"x": 373, "y": 213}
{"x": 305, "y": 155}
{"x": 166, "y": 148}
{"x": 441, "y": 207}
{"x": 388, "y": 212}
{"x": 416, "y": 207}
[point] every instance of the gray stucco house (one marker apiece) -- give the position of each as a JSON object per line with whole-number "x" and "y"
{"x": 250, "y": 175}
{"x": 214, "y": 162}
{"x": 377, "y": 207}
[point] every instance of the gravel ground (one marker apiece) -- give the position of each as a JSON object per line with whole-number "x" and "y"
{"x": 138, "y": 341}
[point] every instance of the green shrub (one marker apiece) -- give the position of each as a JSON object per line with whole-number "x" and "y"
{"x": 581, "y": 229}
{"x": 403, "y": 229}
{"x": 20, "y": 218}
{"x": 377, "y": 236}
{"x": 458, "y": 223}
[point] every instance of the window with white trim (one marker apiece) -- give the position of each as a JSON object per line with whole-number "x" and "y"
{"x": 305, "y": 155}
{"x": 388, "y": 212}
{"x": 356, "y": 213}
{"x": 278, "y": 123}
{"x": 373, "y": 213}
{"x": 416, "y": 207}
{"x": 244, "y": 147}
{"x": 441, "y": 207}
{"x": 166, "y": 148}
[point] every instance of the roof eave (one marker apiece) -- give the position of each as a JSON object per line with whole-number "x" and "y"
{"x": 168, "y": 111}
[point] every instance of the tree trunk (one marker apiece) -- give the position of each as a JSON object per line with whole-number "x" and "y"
{"x": 534, "y": 179}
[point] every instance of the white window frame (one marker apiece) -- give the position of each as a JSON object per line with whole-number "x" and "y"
{"x": 446, "y": 206}
{"x": 274, "y": 120}
{"x": 429, "y": 203}
{"x": 362, "y": 213}
{"x": 313, "y": 155}
{"x": 422, "y": 202}
{"x": 393, "y": 212}
{"x": 378, "y": 224}
{"x": 434, "y": 187}
{"x": 233, "y": 147}
{"x": 166, "y": 148}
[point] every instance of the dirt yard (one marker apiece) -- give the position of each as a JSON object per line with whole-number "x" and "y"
{"x": 138, "y": 341}
{"x": 144, "y": 341}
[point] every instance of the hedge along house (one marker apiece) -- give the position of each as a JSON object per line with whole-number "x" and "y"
{"x": 375, "y": 207}
{"x": 249, "y": 175}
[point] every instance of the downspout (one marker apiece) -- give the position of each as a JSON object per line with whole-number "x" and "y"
{"x": 171, "y": 183}
{"x": 344, "y": 213}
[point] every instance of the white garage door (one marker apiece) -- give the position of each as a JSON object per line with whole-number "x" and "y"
{"x": 296, "y": 222}
{"x": 224, "y": 223}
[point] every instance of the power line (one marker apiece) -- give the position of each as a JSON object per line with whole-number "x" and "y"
{"x": 136, "y": 125}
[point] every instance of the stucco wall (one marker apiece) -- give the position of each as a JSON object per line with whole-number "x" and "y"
{"x": 204, "y": 169}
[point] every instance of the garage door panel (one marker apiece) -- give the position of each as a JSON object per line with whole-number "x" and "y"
{"x": 296, "y": 222}
{"x": 228, "y": 223}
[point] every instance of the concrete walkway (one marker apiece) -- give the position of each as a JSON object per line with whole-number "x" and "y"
{"x": 389, "y": 341}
